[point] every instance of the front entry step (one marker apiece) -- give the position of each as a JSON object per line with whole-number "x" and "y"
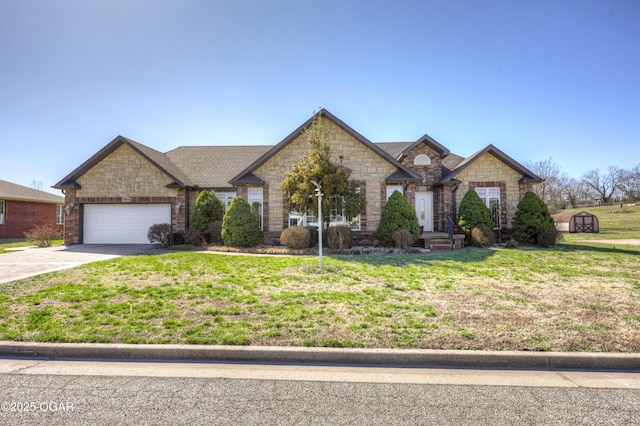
{"x": 440, "y": 241}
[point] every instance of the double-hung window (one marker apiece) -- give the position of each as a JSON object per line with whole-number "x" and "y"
{"x": 1, "y": 212}
{"x": 60, "y": 214}
{"x": 491, "y": 198}
{"x": 256, "y": 202}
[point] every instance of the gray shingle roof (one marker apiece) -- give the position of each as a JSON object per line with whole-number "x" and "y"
{"x": 13, "y": 191}
{"x": 394, "y": 149}
{"x": 214, "y": 166}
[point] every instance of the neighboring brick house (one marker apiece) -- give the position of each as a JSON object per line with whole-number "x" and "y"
{"x": 124, "y": 188}
{"x": 22, "y": 208}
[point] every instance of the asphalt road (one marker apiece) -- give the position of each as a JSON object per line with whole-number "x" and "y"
{"x": 70, "y": 393}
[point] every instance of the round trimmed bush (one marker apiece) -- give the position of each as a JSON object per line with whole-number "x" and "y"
{"x": 530, "y": 218}
{"x": 397, "y": 214}
{"x": 295, "y": 237}
{"x": 473, "y": 213}
{"x": 240, "y": 227}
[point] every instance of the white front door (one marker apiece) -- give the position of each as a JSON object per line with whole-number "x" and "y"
{"x": 424, "y": 210}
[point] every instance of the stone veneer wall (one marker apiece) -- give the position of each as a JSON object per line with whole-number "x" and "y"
{"x": 365, "y": 165}
{"x": 430, "y": 174}
{"x": 489, "y": 169}
{"x": 122, "y": 175}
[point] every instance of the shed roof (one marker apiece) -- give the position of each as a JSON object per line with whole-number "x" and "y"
{"x": 563, "y": 217}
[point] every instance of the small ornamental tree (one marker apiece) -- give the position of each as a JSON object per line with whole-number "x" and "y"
{"x": 320, "y": 165}
{"x": 531, "y": 217}
{"x": 209, "y": 208}
{"x": 397, "y": 214}
{"x": 240, "y": 227}
{"x": 473, "y": 213}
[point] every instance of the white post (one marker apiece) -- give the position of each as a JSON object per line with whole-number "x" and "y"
{"x": 320, "y": 221}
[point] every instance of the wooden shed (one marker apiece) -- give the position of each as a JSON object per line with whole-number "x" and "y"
{"x": 576, "y": 222}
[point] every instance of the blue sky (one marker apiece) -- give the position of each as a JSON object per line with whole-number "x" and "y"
{"x": 538, "y": 79}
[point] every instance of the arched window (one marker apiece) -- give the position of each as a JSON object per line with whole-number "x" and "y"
{"x": 422, "y": 160}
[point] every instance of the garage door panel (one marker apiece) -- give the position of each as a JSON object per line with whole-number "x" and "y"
{"x": 122, "y": 224}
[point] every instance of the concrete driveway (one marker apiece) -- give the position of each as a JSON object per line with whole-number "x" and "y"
{"x": 35, "y": 261}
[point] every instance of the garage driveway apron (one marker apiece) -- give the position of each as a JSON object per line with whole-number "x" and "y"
{"x": 35, "y": 261}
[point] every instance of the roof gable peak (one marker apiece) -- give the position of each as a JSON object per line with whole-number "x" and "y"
{"x": 323, "y": 113}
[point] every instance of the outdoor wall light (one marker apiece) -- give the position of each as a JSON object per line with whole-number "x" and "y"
{"x": 69, "y": 208}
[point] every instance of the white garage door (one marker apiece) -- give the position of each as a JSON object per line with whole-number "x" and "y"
{"x": 122, "y": 224}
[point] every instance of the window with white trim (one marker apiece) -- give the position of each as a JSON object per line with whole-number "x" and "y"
{"x": 1, "y": 212}
{"x": 491, "y": 198}
{"x": 226, "y": 198}
{"x": 303, "y": 219}
{"x": 422, "y": 160}
{"x": 392, "y": 188}
{"x": 336, "y": 218}
{"x": 256, "y": 202}
{"x": 60, "y": 214}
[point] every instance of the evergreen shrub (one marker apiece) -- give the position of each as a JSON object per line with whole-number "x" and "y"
{"x": 397, "y": 214}
{"x": 209, "y": 208}
{"x": 240, "y": 227}
{"x": 530, "y": 218}
{"x": 473, "y": 213}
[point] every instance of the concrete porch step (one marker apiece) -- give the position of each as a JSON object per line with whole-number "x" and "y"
{"x": 440, "y": 246}
{"x": 440, "y": 241}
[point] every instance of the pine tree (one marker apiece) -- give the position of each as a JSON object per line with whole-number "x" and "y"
{"x": 339, "y": 193}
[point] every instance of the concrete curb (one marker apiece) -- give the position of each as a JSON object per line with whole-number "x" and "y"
{"x": 331, "y": 356}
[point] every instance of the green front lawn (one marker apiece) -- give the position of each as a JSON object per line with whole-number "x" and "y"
{"x": 574, "y": 298}
{"x": 615, "y": 222}
{"x": 7, "y": 243}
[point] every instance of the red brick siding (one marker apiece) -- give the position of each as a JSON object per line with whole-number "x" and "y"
{"x": 22, "y": 216}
